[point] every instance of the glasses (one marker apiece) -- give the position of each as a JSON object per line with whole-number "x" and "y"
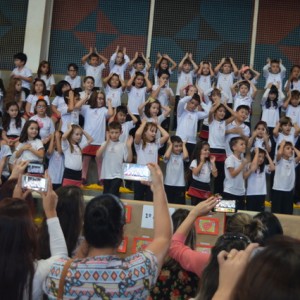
{"x": 235, "y": 237}
{"x": 41, "y": 106}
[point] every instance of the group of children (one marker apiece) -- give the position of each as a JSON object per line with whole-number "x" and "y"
{"x": 89, "y": 120}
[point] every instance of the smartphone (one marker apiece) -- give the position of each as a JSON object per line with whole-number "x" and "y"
{"x": 226, "y": 206}
{"x": 34, "y": 183}
{"x": 35, "y": 168}
{"x": 136, "y": 172}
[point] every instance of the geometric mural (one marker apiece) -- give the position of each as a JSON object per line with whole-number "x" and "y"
{"x": 209, "y": 29}
{"x": 12, "y": 30}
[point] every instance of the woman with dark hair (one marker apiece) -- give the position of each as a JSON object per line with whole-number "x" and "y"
{"x": 189, "y": 259}
{"x": 99, "y": 272}
{"x": 21, "y": 274}
{"x": 173, "y": 279}
{"x": 210, "y": 277}
{"x": 272, "y": 273}
{"x": 70, "y": 208}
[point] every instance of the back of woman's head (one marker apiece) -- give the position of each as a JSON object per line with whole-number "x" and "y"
{"x": 177, "y": 218}
{"x": 272, "y": 226}
{"x": 272, "y": 273}
{"x": 70, "y": 208}
{"x": 104, "y": 219}
{"x": 18, "y": 248}
{"x": 244, "y": 223}
{"x": 210, "y": 276}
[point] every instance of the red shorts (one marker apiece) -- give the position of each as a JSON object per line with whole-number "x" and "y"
{"x": 90, "y": 150}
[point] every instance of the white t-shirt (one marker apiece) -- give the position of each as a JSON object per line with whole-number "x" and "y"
{"x": 59, "y": 103}
{"x": 289, "y": 138}
{"x": 56, "y": 167}
{"x": 113, "y": 157}
{"x": 48, "y": 81}
{"x": 5, "y": 152}
{"x": 147, "y": 155}
{"x": 163, "y": 96}
{"x": 118, "y": 69}
{"x": 216, "y": 137}
{"x": 293, "y": 113}
{"x": 284, "y": 179}
{"x": 114, "y": 95}
{"x": 74, "y": 82}
{"x": 95, "y": 122}
{"x": 246, "y": 131}
{"x": 73, "y": 160}
{"x": 28, "y": 155}
{"x": 135, "y": 98}
{"x": 126, "y": 127}
{"x": 132, "y": 71}
{"x": 233, "y": 185}
{"x": 204, "y": 82}
{"x": 175, "y": 170}
{"x": 25, "y": 72}
{"x": 187, "y": 121}
{"x": 46, "y": 125}
{"x": 260, "y": 143}
{"x": 95, "y": 72}
{"x": 274, "y": 78}
{"x": 296, "y": 85}
{"x": 225, "y": 81}
{"x": 270, "y": 115}
{"x": 256, "y": 182}
{"x": 184, "y": 79}
{"x": 32, "y": 99}
{"x": 12, "y": 127}
{"x": 239, "y": 100}
{"x": 68, "y": 117}
{"x": 204, "y": 174}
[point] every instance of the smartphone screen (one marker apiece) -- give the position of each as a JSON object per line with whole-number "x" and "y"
{"x": 35, "y": 168}
{"x": 136, "y": 172}
{"x": 34, "y": 183}
{"x": 226, "y": 206}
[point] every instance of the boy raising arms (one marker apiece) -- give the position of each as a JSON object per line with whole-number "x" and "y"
{"x": 234, "y": 183}
{"x": 94, "y": 67}
{"x": 22, "y": 72}
{"x": 113, "y": 154}
{"x": 174, "y": 159}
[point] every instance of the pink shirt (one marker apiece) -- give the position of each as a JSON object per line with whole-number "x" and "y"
{"x": 190, "y": 260}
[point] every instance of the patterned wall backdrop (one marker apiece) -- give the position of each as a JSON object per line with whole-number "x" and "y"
{"x": 12, "y": 30}
{"x": 209, "y": 29}
{"x": 278, "y": 33}
{"x": 77, "y": 25}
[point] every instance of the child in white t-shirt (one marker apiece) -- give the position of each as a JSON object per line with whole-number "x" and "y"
{"x": 114, "y": 88}
{"x": 118, "y": 62}
{"x": 56, "y": 160}
{"x": 234, "y": 183}
{"x": 45, "y": 123}
{"x": 293, "y": 83}
{"x": 292, "y": 106}
{"x": 95, "y": 66}
{"x": 226, "y": 71}
{"x": 162, "y": 64}
{"x": 138, "y": 86}
{"x": 205, "y": 76}
{"x": 146, "y": 147}
{"x": 5, "y": 152}
{"x": 255, "y": 175}
{"x": 120, "y": 116}
{"x": 174, "y": 158}
{"x": 274, "y": 72}
{"x": 202, "y": 166}
{"x": 73, "y": 78}
{"x": 139, "y": 63}
{"x": 72, "y": 145}
{"x": 284, "y": 179}
{"x": 44, "y": 73}
{"x": 38, "y": 92}
{"x": 113, "y": 153}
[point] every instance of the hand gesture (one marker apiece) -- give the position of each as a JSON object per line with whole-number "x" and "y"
{"x": 18, "y": 191}
{"x": 204, "y": 207}
{"x": 202, "y": 158}
{"x": 91, "y": 50}
{"x": 50, "y": 199}
{"x": 27, "y": 147}
{"x": 190, "y": 56}
{"x": 156, "y": 177}
{"x": 212, "y": 159}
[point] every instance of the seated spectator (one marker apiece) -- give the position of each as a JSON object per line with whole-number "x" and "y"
{"x": 104, "y": 222}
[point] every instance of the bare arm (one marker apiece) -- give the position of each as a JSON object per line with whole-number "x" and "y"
{"x": 234, "y": 67}
{"x": 193, "y": 63}
{"x": 139, "y": 132}
{"x": 86, "y": 57}
{"x": 148, "y": 83}
{"x": 174, "y": 65}
{"x": 164, "y": 135}
{"x": 276, "y": 130}
{"x": 235, "y": 172}
{"x": 218, "y": 67}
{"x": 129, "y": 148}
{"x": 51, "y": 144}
{"x": 280, "y": 150}
{"x": 182, "y": 61}
{"x": 162, "y": 221}
{"x": 131, "y": 63}
{"x": 103, "y": 148}
{"x": 168, "y": 152}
